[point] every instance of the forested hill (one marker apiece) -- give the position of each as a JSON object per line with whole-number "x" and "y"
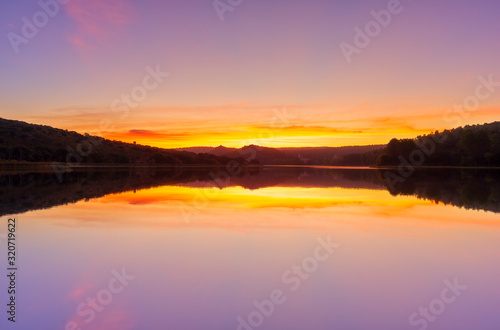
{"x": 477, "y": 145}
{"x": 20, "y": 141}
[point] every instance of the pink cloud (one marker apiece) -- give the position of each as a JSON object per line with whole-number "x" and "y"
{"x": 97, "y": 20}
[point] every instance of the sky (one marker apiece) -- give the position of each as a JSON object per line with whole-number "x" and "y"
{"x": 277, "y": 73}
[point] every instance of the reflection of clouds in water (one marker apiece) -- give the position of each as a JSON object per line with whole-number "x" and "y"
{"x": 238, "y": 209}
{"x": 98, "y": 306}
{"x": 290, "y": 188}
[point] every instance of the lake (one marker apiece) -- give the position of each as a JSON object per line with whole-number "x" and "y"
{"x": 267, "y": 248}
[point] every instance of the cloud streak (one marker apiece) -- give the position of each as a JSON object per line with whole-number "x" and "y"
{"x": 97, "y": 21}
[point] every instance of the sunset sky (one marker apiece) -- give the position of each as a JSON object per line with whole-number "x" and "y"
{"x": 271, "y": 72}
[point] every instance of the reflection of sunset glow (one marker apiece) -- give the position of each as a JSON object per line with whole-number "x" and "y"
{"x": 284, "y": 197}
{"x": 170, "y": 206}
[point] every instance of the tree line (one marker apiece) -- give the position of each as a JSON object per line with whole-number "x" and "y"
{"x": 476, "y": 145}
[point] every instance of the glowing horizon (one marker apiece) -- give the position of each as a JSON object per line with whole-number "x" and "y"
{"x": 219, "y": 131}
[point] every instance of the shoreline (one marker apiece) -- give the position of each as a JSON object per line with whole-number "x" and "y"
{"x": 15, "y": 164}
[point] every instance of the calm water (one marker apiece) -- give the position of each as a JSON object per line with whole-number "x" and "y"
{"x": 277, "y": 248}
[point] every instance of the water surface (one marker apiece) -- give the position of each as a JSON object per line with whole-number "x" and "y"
{"x": 201, "y": 253}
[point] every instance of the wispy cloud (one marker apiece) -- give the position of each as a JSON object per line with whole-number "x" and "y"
{"x": 97, "y": 21}
{"x": 142, "y": 132}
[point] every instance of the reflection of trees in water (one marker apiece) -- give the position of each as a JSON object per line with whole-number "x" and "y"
{"x": 22, "y": 192}
{"x": 477, "y": 189}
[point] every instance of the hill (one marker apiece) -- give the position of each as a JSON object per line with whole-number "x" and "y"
{"x": 476, "y": 145}
{"x": 262, "y": 155}
{"x": 20, "y": 141}
{"x": 337, "y": 156}
{"x": 350, "y": 155}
